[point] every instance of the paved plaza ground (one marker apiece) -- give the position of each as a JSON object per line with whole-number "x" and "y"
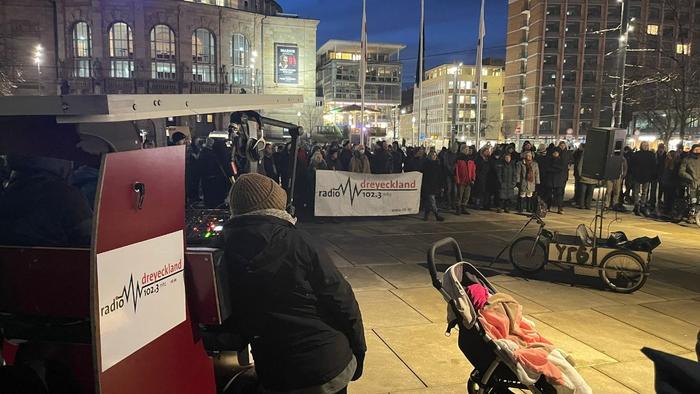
{"x": 404, "y": 317}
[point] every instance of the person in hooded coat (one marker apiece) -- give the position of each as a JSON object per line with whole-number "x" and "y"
{"x": 289, "y": 301}
{"x": 507, "y": 174}
{"x": 483, "y": 171}
{"x": 433, "y": 184}
{"x": 554, "y": 180}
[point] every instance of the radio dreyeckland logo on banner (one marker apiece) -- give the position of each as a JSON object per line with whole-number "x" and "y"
{"x": 141, "y": 295}
{"x": 340, "y": 193}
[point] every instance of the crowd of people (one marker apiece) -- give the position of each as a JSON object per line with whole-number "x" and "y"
{"x": 499, "y": 177}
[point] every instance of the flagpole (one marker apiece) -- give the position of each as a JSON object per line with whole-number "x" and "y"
{"x": 363, "y": 71}
{"x": 479, "y": 85}
{"x": 419, "y": 77}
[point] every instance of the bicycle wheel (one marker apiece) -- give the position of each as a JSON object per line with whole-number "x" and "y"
{"x": 528, "y": 256}
{"x": 623, "y": 272}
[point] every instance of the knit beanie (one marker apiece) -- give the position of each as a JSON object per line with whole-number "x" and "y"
{"x": 253, "y": 192}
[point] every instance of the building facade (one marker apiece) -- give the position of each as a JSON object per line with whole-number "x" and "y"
{"x": 437, "y": 104}
{"x": 338, "y": 82}
{"x": 158, "y": 46}
{"x": 565, "y": 58}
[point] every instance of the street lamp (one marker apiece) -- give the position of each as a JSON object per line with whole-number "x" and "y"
{"x": 38, "y": 54}
{"x": 253, "y": 69}
{"x": 413, "y": 129}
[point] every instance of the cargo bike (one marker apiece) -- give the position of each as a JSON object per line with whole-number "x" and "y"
{"x": 622, "y": 264}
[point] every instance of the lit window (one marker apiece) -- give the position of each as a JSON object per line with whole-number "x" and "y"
{"x": 82, "y": 50}
{"x": 163, "y": 53}
{"x": 683, "y": 49}
{"x": 121, "y": 51}
{"x": 461, "y": 99}
{"x": 240, "y": 50}
{"x": 461, "y": 114}
{"x": 653, "y": 30}
{"x": 203, "y": 56}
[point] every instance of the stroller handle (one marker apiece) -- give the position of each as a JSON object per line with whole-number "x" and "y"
{"x": 431, "y": 258}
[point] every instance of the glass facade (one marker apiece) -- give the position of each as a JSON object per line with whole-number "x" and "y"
{"x": 82, "y": 50}
{"x": 121, "y": 51}
{"x": 203, "y": 56}
{"x": 240, "y": 57}
{"x": 163, "y": 60}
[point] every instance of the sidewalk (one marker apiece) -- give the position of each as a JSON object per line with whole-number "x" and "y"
{"x": 405, "y": 317}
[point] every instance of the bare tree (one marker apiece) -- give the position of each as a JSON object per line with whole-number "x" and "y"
{"x": 311, "y": 117}
{"x": 9, "y": 80}
{"x": 664, "y": 88}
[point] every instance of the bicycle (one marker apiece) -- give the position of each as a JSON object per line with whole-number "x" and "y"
{"x": 621, "y": 268}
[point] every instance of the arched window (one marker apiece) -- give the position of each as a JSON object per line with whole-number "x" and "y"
{"x": 203, "y": 56}
{"x": 121, "y": 51}
{"x": 163, "y": 63}
{"x": 240, "y": 56}
{"x": 82, "y": 50}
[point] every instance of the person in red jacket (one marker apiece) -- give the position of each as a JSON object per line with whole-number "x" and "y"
{"x": 465, "y": 174}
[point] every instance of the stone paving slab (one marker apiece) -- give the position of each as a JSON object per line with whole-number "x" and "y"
{"x": 385, "y": 309}
{"x": 602, "y": 383}
{"x": 583, "y": 355}
{"x": 686, "y": 310}
{"x": 383, "y": 370}
{"x": 367, "y": 257}
{"x": 362, "y": 278}
{"x": 433, "y": 357}
{"x": 638, "y": 297}
{"x": 672, "y": 330}
{"x": 557, "y": 297}
{"x": 403, "y": 276}
{"x": 607, "y": 335}
{"x": 637, "y": 375}
{"x": 427, "y": 301}
{"x": 667, "y": 291}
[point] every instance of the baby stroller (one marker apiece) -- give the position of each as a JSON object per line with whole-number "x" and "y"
{"x": 494, "y": 371}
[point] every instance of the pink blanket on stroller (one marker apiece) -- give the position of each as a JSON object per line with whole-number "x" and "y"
{"x": 502, "y": 319}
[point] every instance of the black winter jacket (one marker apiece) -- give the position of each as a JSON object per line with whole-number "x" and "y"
{"x": 433, "y": 177}
{"x": 290, "y": 301}
{"x": 555, "y": 172}
{"x": 643, "y": 166}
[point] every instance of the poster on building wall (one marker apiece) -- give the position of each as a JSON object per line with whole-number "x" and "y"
{"x": 287, "y": 61}
{"x": 340, "y": 193}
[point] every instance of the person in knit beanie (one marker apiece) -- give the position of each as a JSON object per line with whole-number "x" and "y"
{"x": 256, "y": 192}
{"x": 288, "y": 298}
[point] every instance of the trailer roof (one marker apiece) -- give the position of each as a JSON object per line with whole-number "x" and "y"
{"x": 127, "y": 107}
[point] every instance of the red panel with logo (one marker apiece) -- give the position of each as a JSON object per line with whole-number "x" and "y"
{"x": 141, "y": 201}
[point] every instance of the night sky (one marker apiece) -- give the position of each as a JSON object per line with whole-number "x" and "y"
{"x": 451, "y": 26}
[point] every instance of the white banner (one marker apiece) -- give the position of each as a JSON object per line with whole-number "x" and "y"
{"x": 141, "y": 293}
{"x": 340, "y": 193}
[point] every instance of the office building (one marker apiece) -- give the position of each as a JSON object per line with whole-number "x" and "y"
{"x": 338, "y": 82}
{"x": 564, "y": 58}
{"x": 437, "y": 104}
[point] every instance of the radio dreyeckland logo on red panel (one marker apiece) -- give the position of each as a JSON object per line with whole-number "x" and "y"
{"x": 150, "y": 284}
